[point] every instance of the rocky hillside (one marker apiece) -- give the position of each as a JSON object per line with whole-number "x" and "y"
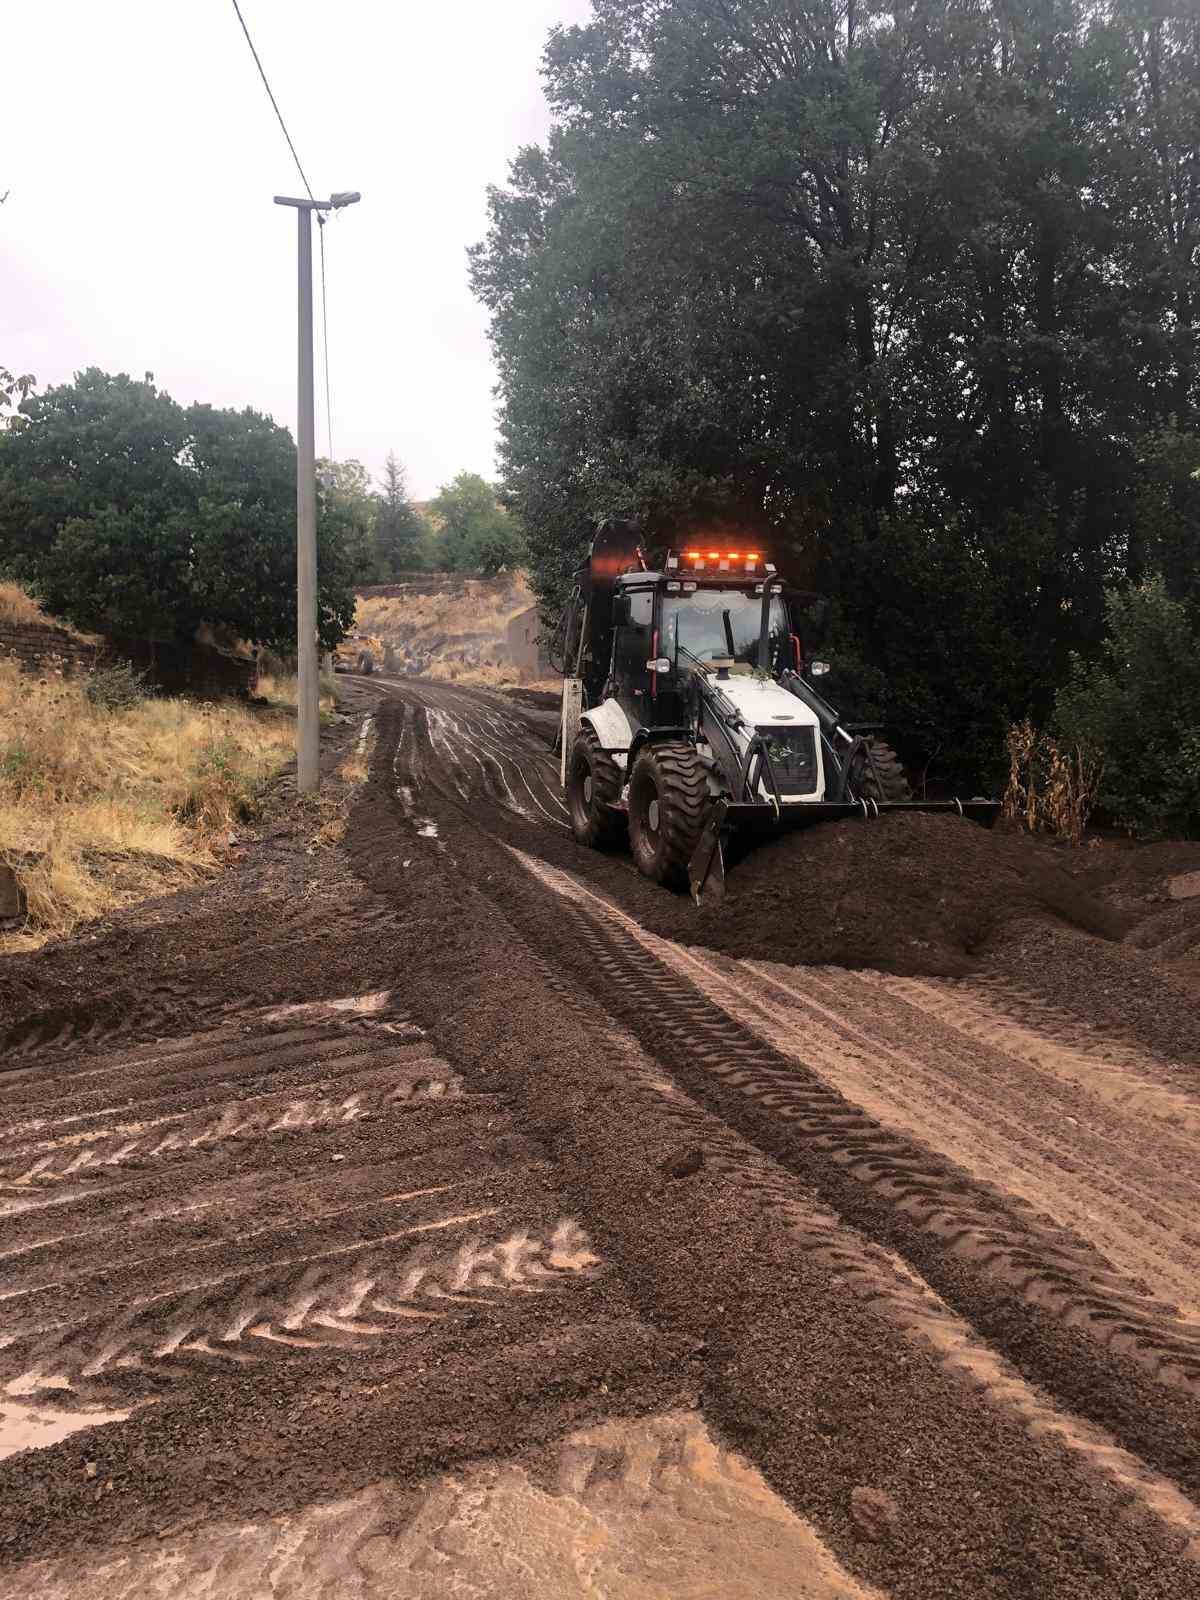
{"x": 456, "y": 628}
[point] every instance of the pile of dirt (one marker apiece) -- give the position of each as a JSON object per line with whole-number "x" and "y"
{"x": 920, "y": 894}
{"x": 1157, "y": 887}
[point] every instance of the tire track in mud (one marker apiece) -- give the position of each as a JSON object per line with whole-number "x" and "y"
{"x": 136, "y": 1256}
{"x": 883, "y": 1281}
{"x": 615, "y": 1510}
{"x": 1017, "y": 1112}
{"x": 994, "y": 1263}
{"x": 827, "y": 1360}
{"x": 1038, "y": 1291}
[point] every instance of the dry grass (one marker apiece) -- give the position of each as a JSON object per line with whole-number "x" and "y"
{"x": 100, "y": 808}
{"x": 22, "y": 609}
{"x": 283, "y": 691}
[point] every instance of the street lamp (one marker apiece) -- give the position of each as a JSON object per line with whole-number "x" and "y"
{"x": 307, "y": 669}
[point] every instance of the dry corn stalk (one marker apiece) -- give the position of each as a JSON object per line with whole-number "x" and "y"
{"x": 1051, "y": 788}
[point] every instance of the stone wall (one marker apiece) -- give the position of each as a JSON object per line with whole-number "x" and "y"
{"x": 194, "y": 669}
{"x": 427, "y": 583}
{"x": 46, "y": 651}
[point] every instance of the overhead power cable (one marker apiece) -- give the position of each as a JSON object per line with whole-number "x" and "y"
{"x": 320, "y": 220}
{"x": 274, "y": 102}
{"x": 325, "y": 336}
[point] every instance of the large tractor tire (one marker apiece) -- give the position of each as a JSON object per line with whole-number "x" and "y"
{"x": 668, "y": 797}
{"x": 881, "y": 776}
{"x": 593, "y": 789}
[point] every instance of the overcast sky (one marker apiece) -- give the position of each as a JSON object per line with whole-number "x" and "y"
{"x": 141, "y": 154}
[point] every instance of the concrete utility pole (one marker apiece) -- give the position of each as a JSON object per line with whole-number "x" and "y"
{"x": 307, "y": 667}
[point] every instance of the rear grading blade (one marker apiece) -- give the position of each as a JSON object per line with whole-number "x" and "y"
{"x": 706, "y": 869}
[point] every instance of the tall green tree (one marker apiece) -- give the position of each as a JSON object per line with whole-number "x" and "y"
{"x": 244, "y": 531}
{"x": 97, "y": 503}
{"x": 401, "y": 533}
{"x": 475, "y": 532}
{"x": 348, "y": 509}
{"x": 14, "y": 388}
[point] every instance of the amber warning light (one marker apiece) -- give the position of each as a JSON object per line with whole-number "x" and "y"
{"x": 698, "y": 558}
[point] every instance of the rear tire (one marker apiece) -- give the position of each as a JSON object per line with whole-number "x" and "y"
{"x": 668, "y": 798}
{"x": 882, "y": 777}
{"x": 593, "y": 789}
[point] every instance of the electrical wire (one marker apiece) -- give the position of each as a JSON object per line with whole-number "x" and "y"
{"x": 320, "y": 220}
{"x": 273, "y": 101}
{"x": 325, "y": 335}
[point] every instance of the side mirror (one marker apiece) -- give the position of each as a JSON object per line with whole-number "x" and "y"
{"x": 620, "y": 611}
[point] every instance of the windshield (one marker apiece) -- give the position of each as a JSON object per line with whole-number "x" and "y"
{"x": 720, "y": 622}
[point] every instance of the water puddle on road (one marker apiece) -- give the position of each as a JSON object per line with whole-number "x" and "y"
{"x": 32, "y": 1427}
{"x": 643, "y": 1508}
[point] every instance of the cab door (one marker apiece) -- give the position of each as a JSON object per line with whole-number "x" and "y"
{"x": 633, "y": 636}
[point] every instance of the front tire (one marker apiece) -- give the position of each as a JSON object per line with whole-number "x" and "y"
{"x": 668, "y": 797}
{"x": 881, "y": 777}
{"x": 593, "y": 789}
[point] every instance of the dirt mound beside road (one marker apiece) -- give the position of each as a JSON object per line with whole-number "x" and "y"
{"x": 920, "y": 894}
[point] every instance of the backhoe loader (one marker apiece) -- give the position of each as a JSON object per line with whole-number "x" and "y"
{"x": 690, "y": 712}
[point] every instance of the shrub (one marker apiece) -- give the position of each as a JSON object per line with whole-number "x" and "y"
{"x": 223, "y": 789}
{"x": 1139, "y": 705}
{"x": 116, "y": 686}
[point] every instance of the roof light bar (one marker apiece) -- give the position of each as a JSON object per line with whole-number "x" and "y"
{"x": 723, "y": 561}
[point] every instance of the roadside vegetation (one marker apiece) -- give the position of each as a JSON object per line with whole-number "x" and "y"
{"x": 20, "y": 608}
{"x": 107, "y": 798}
{"x": 126, "y": 513}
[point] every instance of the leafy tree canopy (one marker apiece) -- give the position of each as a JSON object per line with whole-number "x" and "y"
{"x": 475, "y": 532}
{"x": 1139, "y": 704}
{"x": 132, "y": 515}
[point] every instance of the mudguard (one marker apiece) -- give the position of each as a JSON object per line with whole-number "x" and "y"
{"x": 610, "y": 725}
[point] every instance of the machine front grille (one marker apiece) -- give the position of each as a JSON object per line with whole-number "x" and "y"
{"x": 793, "y": 753}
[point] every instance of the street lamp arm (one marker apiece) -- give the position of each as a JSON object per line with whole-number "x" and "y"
{"x": 345, "y": 197}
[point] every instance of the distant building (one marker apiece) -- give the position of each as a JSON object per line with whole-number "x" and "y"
{"x": 525, "y": 644}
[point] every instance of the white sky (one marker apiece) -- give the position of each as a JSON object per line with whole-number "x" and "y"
{"x": 141, "y": 155}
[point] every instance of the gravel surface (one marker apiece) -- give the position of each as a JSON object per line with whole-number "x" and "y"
{"x": 388, "y": 1175}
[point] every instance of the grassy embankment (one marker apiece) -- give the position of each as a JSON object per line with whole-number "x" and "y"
{"x": 104, "y": 805}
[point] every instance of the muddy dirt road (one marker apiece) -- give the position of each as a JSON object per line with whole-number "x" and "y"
{"x": 411, "y": 1217}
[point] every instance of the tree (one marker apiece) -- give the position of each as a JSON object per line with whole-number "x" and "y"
{"x": 906, "y": 287}
{"x": 348, "y": 508}
{"x": 132, "y": 516}
{"x": 475, "y": 534}
{"x": 13, "y": 389}
{"x": 1139, "y": 706}
{"x": 244, "y": 532}
{"x": 400, "y": 531}
{"x": 96, "y": 504}
{"x": 1167, "y": 513}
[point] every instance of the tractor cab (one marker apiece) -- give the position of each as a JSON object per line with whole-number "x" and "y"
{"x": 722, "y": 612}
